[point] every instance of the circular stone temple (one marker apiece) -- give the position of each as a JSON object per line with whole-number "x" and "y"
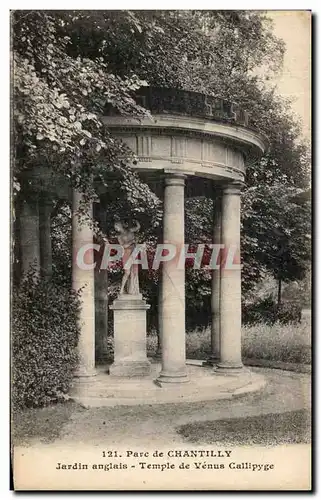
{"x": 190, "y": 145}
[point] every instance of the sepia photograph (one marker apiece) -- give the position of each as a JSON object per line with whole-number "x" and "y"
{"x": 160, "y": 253}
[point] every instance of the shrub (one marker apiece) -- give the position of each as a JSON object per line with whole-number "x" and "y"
{"x": 269, "y": 312}
{"x": 288, "y": 312}
{"x": 198, "y": 343}
{"x": 44, "y": 339}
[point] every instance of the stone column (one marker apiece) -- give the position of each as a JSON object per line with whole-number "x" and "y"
{"x": 101, "y": 313}
{"x": 173, "y": 286}
{"x": 230, "y": 296}
{"x": 216, "y": 278}
{"x": 29, "y": 236}
{"x": 45, "y": 208}
{"x": 82, "y": 234}
{"x": 101, "y": 292}
{"x": 158, "y": 353}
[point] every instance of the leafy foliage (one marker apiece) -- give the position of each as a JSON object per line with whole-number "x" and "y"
{"x": 58, "y": 100}
{"x": 44, "y": 340}
{"x": 175, "y": 48}
{"x": 269, "y": 312}
{"x": 276, "y": 232}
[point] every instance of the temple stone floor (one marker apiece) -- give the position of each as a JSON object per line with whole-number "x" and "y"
{"x": 204, "y": 385}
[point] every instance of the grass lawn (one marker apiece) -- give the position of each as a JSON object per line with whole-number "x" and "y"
{"x": 42, "y": 424}
{"x": 289, "y": 343}
{"x": 269, "y": 430}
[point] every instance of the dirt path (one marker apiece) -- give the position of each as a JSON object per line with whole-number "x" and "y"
{"x": 158, "y": 424}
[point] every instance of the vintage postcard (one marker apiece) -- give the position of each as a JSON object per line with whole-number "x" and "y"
{"x": 161, "y": 250}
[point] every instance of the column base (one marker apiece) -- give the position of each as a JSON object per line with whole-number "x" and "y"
{"x": 166, "y": 378}
{"x": 130, "y": 369}
{"x": 158, "y": 354}
{"x": 226, "y": 368}
{"x": 84, "y": 373}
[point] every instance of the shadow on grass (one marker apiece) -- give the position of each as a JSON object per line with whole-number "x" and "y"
{"x": 269, "y": 430}
{"x": 41, "y": 424}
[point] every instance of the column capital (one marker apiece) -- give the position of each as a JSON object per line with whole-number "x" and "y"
{"x": 32, "y": 204}
{"x": 232, "y": 188}
{"x": 217, "y": 191}
{"x": 174, "y": 178}
{"x": 46, "y": 199}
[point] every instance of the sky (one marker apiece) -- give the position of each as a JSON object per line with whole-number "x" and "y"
{"x": 295, "y": 79}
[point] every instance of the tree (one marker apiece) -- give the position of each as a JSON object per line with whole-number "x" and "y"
{"x": 69, "y": 64}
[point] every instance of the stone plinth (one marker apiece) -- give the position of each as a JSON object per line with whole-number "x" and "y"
{"x": 204, "y": 386}
{"x": 130, "y": 358}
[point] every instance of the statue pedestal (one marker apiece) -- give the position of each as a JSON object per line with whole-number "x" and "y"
{"x": 130, "y": 358}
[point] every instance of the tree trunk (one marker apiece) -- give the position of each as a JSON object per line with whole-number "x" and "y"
{"x": 45, "y": 207}
{"x": 279, "y": 291}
